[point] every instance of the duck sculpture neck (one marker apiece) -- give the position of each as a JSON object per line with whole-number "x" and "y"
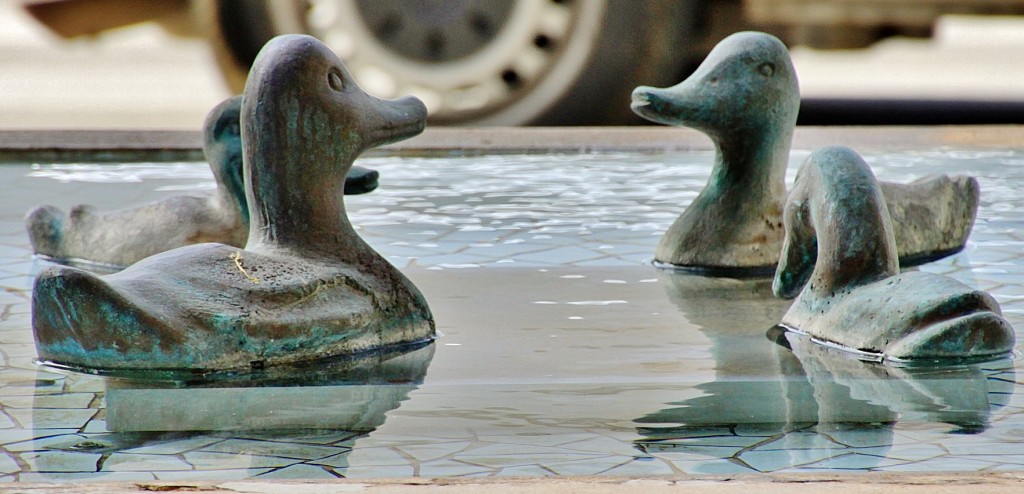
{"x": 295, "y": 166}
{"x": 855, "y": 245}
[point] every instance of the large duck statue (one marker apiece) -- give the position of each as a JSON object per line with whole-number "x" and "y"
{"x": 745, "y": 97}
{"x": 305, "y": 287}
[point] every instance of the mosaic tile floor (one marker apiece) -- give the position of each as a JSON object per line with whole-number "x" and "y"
{"x": 563, "y": 352}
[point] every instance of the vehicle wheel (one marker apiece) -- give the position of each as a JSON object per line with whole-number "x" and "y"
{"x": 482, "y": 62}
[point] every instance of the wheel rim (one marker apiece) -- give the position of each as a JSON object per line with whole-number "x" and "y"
{"x": 484, "y": 62}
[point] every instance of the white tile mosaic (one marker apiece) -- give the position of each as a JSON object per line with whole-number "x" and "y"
{"x": 589, "y": 466}
{"x": 781, "y": 459}
{"x": 174, "y": 446}
{"x": 300, "y": 471}
{"x": 73, "y": 477}
{"x": 137, "y": 462}
{"x": 60, "y": 461}
{"x": 525, "y": 471}
{"x": 643, "y": 467}
{"x": 206, "y": 460}
{"x": 451, "y": 468}
{"x": 9, "y": 465}
{"x": 220, "y": 474}
{"x": 273, "y": 448}
{"x": 711, "y": 467}
{"x": 436, "y": 451}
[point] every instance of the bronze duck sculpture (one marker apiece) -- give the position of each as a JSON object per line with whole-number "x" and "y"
{"x": 745, "y": 96}
{"x": 305, "y": 287}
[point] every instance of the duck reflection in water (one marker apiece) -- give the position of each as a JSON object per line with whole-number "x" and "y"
{"x": 324, "y": 407}
{"x": 763, "y": 392}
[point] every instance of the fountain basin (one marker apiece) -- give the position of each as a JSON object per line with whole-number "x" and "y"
{"x": 563, "y": 351}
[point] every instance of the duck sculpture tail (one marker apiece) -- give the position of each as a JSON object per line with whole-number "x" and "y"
{"x": 932, "y": 216}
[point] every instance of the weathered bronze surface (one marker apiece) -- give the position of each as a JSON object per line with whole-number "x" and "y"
{"x": 745, "y": 96}
{"x": 839, "y": 260}
{"x": 305, "y": 287}
{"x": 120, "y": 238}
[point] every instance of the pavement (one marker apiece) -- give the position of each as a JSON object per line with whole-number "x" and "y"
{"x": 770, "y": 484}
{"x": 139, "y": 77}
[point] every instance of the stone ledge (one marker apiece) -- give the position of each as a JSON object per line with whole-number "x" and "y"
{"x": 23, "y": 146}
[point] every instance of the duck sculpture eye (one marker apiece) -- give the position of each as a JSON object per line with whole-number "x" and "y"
{"x": 766, "y": 69}
{"x": 334, "y": 80}
{"x": 232, "y": 129}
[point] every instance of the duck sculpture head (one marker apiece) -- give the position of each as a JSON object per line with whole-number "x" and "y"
{"x": 324, "y": 120}
{"x": 839, "y": 260}
{"x": 222, "y": 145}
{"x": 306, "y": 287}
{"x": 745, "y": 97}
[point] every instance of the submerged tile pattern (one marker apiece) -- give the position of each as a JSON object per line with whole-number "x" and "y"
{"x": 563, "y": 352}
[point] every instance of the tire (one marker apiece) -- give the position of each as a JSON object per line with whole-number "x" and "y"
{"x": 482, "y": 62}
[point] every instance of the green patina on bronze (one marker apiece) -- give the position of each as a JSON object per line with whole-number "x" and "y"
{"x": 120, "y": 238}
{"x": 745, "y": 96}
{"x": 306, "y": 286}
{"x": 839, "y": 255}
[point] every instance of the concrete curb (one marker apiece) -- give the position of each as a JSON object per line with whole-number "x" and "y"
{"x": 21, "y": 146}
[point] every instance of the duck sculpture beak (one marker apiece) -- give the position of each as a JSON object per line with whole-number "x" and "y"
{"x": 746, "y": 84}
{"x": 669, "y": 106}
{"x": 696, "y": 102}
{"x": 394, "y": 120}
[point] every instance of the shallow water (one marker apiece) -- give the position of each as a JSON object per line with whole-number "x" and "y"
{"x": 563, "y": 351}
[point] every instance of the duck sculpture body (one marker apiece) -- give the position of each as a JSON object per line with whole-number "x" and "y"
{"x": 839, "y": 260}
{"x": 305, "y": 287}
{"x": 745, "y": 96}
{"x": 115, "y": 239}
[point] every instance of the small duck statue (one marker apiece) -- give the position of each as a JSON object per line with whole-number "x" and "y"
{"x": 839, "y": 255}
{"x": 745, "y": 97}
{"x": 306, "y": 287}
{"x": 116, "y": 239}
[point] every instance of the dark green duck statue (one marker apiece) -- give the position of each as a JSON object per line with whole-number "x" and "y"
{"x": 305, "y": 287}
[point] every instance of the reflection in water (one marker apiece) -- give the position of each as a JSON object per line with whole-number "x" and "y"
{"x": 956, "y": 395}
{"x": 730, "y": 313}
{"x": 795, "y": 384}
{"x": 281, "y": 421}
{"x": 352, "y": 395}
